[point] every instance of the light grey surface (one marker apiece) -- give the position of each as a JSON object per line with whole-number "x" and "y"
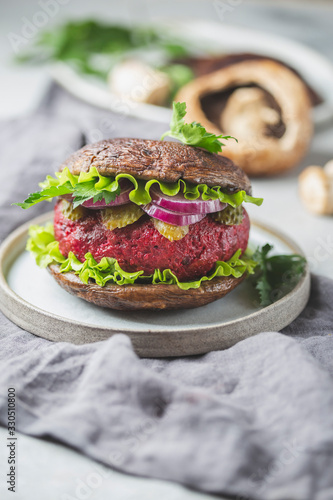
{"x": 255, "y": 420}
{"x": 49, "y": 471}
{"x": 21, "y": 90}
{"x": 32, "y": 300}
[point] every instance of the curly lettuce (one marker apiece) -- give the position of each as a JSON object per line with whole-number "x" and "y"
{"x": 45, "y": 249}
{"x": 92, "y": 184}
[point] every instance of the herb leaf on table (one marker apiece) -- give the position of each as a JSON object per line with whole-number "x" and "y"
{"x": 277, "y": 275}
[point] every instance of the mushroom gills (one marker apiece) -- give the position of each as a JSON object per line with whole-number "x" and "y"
{"x": 240, "y": 103}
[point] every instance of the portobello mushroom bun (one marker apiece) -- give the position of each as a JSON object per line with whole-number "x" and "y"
{"x": 145, "y": 224}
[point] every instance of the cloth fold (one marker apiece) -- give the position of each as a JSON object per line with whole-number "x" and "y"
{"x": 254, "y": 421}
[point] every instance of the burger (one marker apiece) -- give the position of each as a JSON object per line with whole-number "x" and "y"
{"x": 145, "y": 224}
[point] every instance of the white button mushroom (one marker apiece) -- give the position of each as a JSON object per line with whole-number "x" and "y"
{"x": 329, "y": 169}
{"x": 316, "y": 189}
{"x": 136, "y": 81}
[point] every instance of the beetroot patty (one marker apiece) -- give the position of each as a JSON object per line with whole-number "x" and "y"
{"x": 140, "y": 246}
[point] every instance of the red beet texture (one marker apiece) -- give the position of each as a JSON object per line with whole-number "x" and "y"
{"x": 140, "y": 246}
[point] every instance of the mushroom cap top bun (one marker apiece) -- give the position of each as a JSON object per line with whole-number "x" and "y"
{"x": 162, "y": 160}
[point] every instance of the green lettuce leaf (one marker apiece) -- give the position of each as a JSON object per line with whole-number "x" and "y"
{"x": 45, "y": 249}
{"x": 94, "y": 185}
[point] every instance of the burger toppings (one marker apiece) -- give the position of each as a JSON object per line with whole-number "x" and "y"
{"x": 118, "y": 217}
{"x": 94, "y": 186}
{"x": 176, "y": 218}
{"x": 229, "y": 216}
{"x": 120, "y": 199}
{"x": 180, "y": 204}
{"x": 169, "y": 231}
{"x": 70, "y": 212}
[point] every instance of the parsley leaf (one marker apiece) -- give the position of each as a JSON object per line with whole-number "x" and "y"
{"x": 81, "y": 192}
{"x": 45, "y": 195}
{"x": 277, "y": 275}
{"x": 193, "y": 134}
{"x": 86, "y": 190}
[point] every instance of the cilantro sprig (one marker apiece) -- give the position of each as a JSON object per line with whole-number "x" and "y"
{"x": 80, "y": 193}
{"x": 193, "y": 134}
{"x": 276, "y": 275}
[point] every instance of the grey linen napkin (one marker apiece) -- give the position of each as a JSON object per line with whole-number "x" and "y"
{"x": 254, "y": 421}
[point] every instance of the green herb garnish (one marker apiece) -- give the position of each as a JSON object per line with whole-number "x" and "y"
{"x": 193, "y": 134}
{"x": 277, "y": 275}
{"x": 93, "y": 47}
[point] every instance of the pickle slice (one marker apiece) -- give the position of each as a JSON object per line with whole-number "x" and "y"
{"x": 169, "y": 231}
{"x": 71, "y": 213}
{"x": 121, "y": 216}
{"x": 229, "y": 216}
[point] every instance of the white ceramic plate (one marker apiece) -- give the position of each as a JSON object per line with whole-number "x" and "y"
{"x": 31, "y": 298}
{"x": 315, "y": 68}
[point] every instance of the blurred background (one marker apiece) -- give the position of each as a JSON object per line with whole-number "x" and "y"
{"x": 22, "y": 22}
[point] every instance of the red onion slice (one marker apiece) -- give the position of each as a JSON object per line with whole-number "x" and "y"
{"x": 179, "y": 203}
{"x": 175, "y": 218}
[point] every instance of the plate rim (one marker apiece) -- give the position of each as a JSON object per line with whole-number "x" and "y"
{"x": 21, "y": 233}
